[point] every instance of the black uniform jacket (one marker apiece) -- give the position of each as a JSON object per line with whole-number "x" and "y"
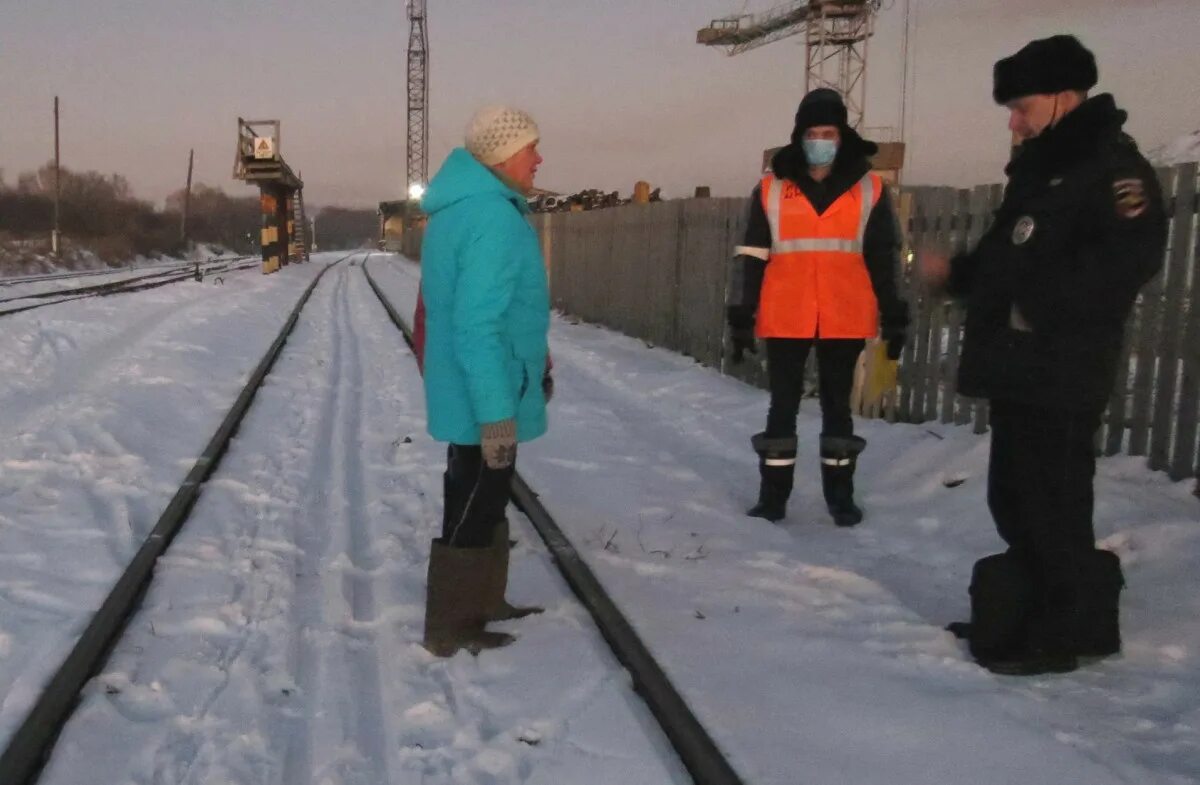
{"x": 1048, "y": 288}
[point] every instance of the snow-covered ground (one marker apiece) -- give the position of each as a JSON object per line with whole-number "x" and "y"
{"x": 104, "y": 405}
{"x": 816, "y": 654}
{"x": 279, "y": 642}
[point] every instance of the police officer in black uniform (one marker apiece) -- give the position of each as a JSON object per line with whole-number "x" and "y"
{"x": 1048, "y": 289}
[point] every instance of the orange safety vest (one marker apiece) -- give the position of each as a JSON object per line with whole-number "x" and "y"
{"x": 816, "y": 281}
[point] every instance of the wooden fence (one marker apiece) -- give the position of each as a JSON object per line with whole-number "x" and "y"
{"x": 658, "y": 272}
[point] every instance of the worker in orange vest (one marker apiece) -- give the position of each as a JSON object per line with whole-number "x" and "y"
{"x": 816, "y": 268}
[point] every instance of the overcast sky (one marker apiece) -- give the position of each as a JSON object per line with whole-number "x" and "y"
{"x": 619, "y": 87}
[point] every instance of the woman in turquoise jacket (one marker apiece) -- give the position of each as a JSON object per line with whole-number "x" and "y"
{"x": 487, "y": 311}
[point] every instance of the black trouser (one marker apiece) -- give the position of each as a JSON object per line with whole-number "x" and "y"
{"x": 475, "y": 497}
{"x": 1040, "y": 475}
{"x": 836, "y": 359}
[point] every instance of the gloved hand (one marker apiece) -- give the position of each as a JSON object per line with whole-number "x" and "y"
{"x": 498, "y": 441}
{"x": 741, "y": 331}
{"x": 893, "y": 327}
{"x": 547, "y": 386}
{"x": 895, "y": 338}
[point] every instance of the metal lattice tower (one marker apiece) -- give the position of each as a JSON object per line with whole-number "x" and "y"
{"x": 836, "y": 34}
{"x": 836, "y": 47}
{"x": 418, "y": 99}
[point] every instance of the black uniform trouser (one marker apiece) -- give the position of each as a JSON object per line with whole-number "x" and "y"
{"x": 476, "y": 497}
{"x": 1040, "y": 476}
{"x": 836, "y": 359}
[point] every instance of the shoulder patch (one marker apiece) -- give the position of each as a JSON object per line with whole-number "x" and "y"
{"x": 1130, "y": 195}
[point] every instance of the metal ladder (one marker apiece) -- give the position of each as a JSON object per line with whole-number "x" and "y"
{"x": 299, "y": 249}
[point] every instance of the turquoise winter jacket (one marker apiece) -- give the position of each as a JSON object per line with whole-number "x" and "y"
{"x": 487, "y": 305}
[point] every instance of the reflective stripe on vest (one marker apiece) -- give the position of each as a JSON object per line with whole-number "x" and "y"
{"x": 799, "y": 245}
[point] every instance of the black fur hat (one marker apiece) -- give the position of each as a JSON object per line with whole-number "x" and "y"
{"x": 1048, "y": 65}
{"x": 820, "y": 107}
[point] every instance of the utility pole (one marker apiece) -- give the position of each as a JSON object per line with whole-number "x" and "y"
{"x": 54, "y": 235}
{"x": 187, "y": 201}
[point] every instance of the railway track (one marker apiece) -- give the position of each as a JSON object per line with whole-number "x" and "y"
{"x": 31, "y": 745}
{"x": 77, "y": 274}
{"x": 33, "y": 741}
{"x": 695, "y": 747}
{"x": 123, "y": 286}
{"x": 166, "y": 268}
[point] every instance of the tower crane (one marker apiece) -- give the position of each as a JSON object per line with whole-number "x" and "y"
{"x": 836, "y": 33}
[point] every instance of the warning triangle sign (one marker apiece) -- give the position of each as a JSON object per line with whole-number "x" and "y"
{"x": 264, "y": 147}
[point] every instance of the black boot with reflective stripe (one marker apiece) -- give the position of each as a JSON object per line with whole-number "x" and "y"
{"x": 777, "y": 469}
{"x": 839, "y": 458}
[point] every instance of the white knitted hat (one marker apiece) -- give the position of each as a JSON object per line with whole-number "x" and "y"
{"x": 496, "y": 133}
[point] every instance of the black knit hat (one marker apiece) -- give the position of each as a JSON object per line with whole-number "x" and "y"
{"x": 820, "y": 107}
{"x": 1042, "y": 67}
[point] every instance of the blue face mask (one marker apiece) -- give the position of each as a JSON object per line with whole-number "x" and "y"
{"x": 820, "y": 152}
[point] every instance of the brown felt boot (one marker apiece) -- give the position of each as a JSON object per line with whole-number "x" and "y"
{"x": 457, "y": 601}
{"x": 498, "y": 607}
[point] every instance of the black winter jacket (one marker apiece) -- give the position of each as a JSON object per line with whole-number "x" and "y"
{"x": 881, "y": 242}
{"x": 1048, "y": 288}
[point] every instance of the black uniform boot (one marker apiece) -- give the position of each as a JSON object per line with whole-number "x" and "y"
{"x": 1034, "y": 662}
{"x": 839, "y": 457}
{"x": 1051, "y": 643}
{"x": 777, "y": 469}
{"x": 1039, "y": 654}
